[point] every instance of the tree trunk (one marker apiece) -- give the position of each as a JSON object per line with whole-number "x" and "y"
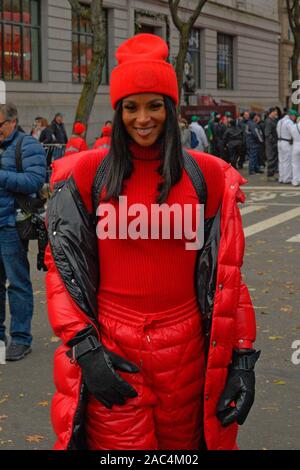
{"x": 183, "y": 49}
{"x": 184, "y": 29}
{"x": 93, "y": 79}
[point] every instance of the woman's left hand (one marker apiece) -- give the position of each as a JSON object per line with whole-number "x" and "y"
{"x": 239, "y": 389}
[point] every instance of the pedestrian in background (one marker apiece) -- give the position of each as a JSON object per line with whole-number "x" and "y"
{"x": 242, "y": 124}
{"x": 233, "y": 142}
{"x": 14, "y": 265}
{"x": 285, "y": 129}
{"x": 198, "y": 136}
{"x": 46, "y": 136}
{"x": 220, "y": 130}
{"x": 77, "y": 142}
{"x": 105, "y": 138}
{"x": 254, "y": 141}
{"x": 271, "y": 140}
{"x": 58, "y": 129}
{"x": 36, "y": 128}
{"x": 185, "y": 133}
{"x": 296, "y": 155}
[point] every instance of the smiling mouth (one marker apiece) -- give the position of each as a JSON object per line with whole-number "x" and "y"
{"x": 144, "y": 132}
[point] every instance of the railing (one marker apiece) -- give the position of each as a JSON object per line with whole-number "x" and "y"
{"x": 53, "y": 152}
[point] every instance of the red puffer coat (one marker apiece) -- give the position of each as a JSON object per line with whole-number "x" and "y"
{"x": 233, "y": 323}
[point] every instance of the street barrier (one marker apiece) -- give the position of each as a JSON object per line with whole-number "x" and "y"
{"x": 53, "y": 152}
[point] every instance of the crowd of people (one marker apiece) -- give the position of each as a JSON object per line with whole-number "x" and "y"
{"x": 270, "y": 143}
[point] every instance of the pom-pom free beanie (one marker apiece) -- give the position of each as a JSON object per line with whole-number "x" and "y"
{"x": 142, "y": 68}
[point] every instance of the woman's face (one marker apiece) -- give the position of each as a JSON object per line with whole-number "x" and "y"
{"x": 144, "y": 116}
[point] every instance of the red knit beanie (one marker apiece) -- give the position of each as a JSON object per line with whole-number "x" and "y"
{"x": 142, "y": 68}
{"x": 79, "y": 128}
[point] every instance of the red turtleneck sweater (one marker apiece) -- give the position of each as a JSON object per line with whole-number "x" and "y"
{"x": 149, "y": 275}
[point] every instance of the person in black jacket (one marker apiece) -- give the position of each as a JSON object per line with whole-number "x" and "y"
{"x": 233, "y": 142}
{"x": 271, "y": 140}
{"x": 58, "y": 129}
{"x": 47, "y": 136}
{"x": 254, "y": 141}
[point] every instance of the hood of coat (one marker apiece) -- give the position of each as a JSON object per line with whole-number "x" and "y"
{"x": 63, "y": 167}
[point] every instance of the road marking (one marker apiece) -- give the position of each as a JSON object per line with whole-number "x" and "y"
{"x": 295, "y": 239}
{"x": 250, "y": 209}
{"x": 271, "y": 222}
{"x": 269, "y": 188}
{"x": 283, "y": 204}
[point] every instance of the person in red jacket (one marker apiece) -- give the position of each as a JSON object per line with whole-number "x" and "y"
{"x": 77, "y": 142}
{"x": 157, "y": 336}
{"x": 105, "y": 140}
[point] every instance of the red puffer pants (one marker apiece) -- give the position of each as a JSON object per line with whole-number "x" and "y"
{"x": 169, "y": 349}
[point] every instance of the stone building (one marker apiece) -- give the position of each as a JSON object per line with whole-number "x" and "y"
{"x": 286, "y": 52}
{"x": 45, "y": 48}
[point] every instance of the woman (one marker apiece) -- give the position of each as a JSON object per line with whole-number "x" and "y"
{"x": 36, "y": 128}
{"x": 77, "y": 142}
{"x": 142, "y": 365}
{"x": 46, "y": 136}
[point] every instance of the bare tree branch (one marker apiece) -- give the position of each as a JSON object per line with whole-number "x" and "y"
{"x": 184, "y": 29}
{"x": 96, "y": 16}
{"x": 173, "y": 5}
{"x": 197, "y": 12}
{"x": 82, "y": 11}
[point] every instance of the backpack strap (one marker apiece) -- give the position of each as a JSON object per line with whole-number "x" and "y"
{"x": 98, "y": 183}
{"x": 194, "y": 171}
{"x": 19, "y": 164}
{"x": 190, "y": 165}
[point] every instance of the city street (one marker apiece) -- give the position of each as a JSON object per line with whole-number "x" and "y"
{"x": 271, "y": 217}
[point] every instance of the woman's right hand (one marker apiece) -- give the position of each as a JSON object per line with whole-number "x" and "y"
{"x": 98, "y": 371}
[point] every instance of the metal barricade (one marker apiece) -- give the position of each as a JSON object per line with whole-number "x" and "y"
{"x": 53, "y": 152}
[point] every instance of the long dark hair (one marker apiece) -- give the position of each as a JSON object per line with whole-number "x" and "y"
{"x": 120, "y": 164}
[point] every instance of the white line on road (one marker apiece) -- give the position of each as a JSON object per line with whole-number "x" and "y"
{"x": 295, "y": 239}
{"x": 283, "y": 204}
{"x": 250, "y": 209}
{"x": 281, "y": 188}
{"x": 271, "y": 222}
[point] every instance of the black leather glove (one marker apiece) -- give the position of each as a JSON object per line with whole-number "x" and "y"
{"x": 98, "y": 371}
{"x": 240, "y": 388}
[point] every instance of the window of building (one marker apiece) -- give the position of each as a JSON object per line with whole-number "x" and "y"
{"x": 146, "y": 28}
{"x": 192, "y": 69}
{"x": 20, "y": 40}
{"x": 225, "y": 61}
{"x": 82, "y": 49}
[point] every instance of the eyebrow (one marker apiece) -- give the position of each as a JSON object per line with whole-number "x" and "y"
{"x": 148, "y": 102}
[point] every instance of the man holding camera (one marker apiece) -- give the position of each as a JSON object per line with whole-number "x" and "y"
{"x": 14, "y": 265}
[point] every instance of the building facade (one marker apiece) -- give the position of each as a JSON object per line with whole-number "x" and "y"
{"x": 45, "y": 49}
{"x": 286, "y": 52}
